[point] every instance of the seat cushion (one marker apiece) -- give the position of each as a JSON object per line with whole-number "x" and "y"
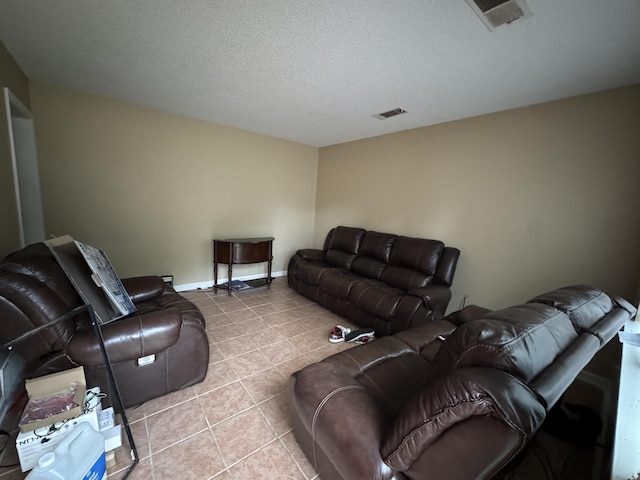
{"x": 309, "y": 273}
{"x": 394, "y": 368}
{"x": 376, "y": 298}
{"x": 338, "y": 282}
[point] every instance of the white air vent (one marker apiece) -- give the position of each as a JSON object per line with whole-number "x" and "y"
{"x": 497, "y": 13}
{"x": 389, "y": 114}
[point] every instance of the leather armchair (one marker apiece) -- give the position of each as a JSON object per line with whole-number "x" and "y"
{"x": 167, "y": 329}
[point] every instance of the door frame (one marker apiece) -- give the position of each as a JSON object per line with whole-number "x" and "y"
{"x": 26, "y": 176}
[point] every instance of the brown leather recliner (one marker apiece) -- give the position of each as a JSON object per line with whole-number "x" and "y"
{"x": 34, "y": 290}
{"x": 455, "y": 399}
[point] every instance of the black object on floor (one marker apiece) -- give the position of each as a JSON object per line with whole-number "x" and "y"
{"x": 573, "y": 423}
{"x": 361, "y": 335}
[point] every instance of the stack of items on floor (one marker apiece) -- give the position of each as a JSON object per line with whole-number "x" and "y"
{"x": 60, "y": 409}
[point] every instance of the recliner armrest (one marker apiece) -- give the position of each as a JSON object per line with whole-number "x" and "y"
{"x": 144, "y": 288}
{"x": 128, "y": 338}
{"x": 436, "y": 298}
{"x": 329, "y": 402}
{"x": 467, "y": 314}
{"x": 312, "y": 254}
{"x": 453, "y": 398}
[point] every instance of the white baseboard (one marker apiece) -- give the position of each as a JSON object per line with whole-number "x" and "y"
{"x": 209, "y": 284}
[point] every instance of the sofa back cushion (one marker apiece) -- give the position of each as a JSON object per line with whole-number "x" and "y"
{"x": 447, "y": 266}
{"x": 26, "y": 304}
{"x": 342, "y": 245}
{"x": 584, "y": 305}
{"x": 522, "y": 340}
{"x": 37, "y": 261}
{"x": 373, "y": 255}
{"x": 412, "y": 263}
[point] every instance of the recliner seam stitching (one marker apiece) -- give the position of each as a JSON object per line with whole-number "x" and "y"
{"x": 317, "y": 413}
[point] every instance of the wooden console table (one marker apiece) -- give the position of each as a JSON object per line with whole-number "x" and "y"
{"x": 241, "y": 251}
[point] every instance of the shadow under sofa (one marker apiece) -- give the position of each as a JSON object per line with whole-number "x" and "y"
{"x": 379, "y": 280}
{"x": 458, "y": 398}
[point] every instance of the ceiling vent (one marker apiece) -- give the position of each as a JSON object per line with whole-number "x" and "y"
{"x": 389, "y": 114}
{"x": 497, "y": 13}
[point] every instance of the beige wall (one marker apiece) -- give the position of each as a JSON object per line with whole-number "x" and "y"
{"x": 535, "y": 198}
{"x": 152, "y": 189}
{"x": 12, "y": 77}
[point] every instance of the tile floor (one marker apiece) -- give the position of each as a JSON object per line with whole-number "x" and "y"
{"x": 234, "y": 425}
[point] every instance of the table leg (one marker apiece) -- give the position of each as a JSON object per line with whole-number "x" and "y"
{"x": 229, "y": 284}
{"x": 215, "y": 277}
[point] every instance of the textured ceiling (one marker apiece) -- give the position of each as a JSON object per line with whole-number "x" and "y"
{"x": 314, "y": 71}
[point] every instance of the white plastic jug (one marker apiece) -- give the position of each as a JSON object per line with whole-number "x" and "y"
{"x": 80, "y": 456}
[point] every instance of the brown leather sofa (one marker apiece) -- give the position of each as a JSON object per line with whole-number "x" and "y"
{"x": 457, "y": 398}
{"x": 379, "y": 280}
{"x": 34, "y": 290}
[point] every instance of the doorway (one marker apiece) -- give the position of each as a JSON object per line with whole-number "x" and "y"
{"x": 26, "y": 176}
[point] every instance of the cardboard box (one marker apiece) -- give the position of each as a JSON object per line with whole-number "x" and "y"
{"x": 56, "y": 383}
{"x": 33, "y": 444}
{"x": 111, "y": 432}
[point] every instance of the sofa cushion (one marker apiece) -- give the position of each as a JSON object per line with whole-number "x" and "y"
{"x": 342, "y": 245}
{"x": 455, "y": 398}
{"x": 339, "y": 259}
{"x": 338, "y": 282}
{"x": 368, "y": 267}
{"x": 373, "y": 255}
{"x": 522, "y": 340}
{"x": 412, "y": 263}
{"x": 311, "y": 255}
{"x": 345, "y": 239}
{"x": 36, "y": 261}
{"x": 405, "y": 278}
{"x": 31, "y": 304}
{"x": 584, "y": 305}
{"x": 309, "y": 273}
{"x": 377, "y": 245}
{"x": 417, "y": 253}
{"x": 376, "y": 298}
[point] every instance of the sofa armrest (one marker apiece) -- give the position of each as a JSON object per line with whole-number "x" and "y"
{"x": 454, "y": 398}
{"x": 128, "y": 338}
{"x": 468, "y": 313}
{"x": 435, "y": 297}
{"x": 311, "y": 254}
{"x": 341, "y": 418}
{"x": 141, "y": 289}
